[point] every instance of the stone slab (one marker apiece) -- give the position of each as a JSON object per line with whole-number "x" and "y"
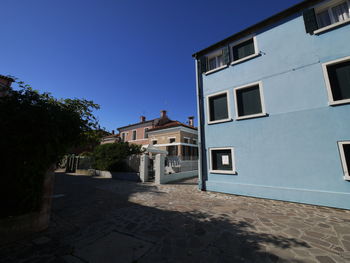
{"x": 114, "y": 247}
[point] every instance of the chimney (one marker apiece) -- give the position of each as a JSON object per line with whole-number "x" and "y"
{"x": 163, "y": 113}
{"x": 190, "y": 121}
{"x": 142, "y": 119}
{"x": 112, "y": 132}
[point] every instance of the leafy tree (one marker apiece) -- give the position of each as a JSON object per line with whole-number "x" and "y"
{"x": 36, "y": 131}
{"x": 111, "y": 156}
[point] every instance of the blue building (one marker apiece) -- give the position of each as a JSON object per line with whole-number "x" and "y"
{"x": 274, "y": 107}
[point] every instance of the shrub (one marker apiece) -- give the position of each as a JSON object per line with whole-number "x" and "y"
{"x": 36, "y": 131}
{"x": 111, "y": 156}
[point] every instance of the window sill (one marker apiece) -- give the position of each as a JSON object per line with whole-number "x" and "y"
{"x": 323, "y": 29}
{"x": 346, "y": 177}
{"x": 222, "y": 172}
{"x": 215, "y": 69}
{"x": 338, "y": 102}
{"x": 251, "y": 116}
{"x": 219, "y": 121}
{"x": 244, "y": 59}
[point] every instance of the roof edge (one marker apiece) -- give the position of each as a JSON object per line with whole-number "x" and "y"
{"x": 266, "y": 22}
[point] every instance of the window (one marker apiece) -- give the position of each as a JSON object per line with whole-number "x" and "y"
{"x": 344, "y": 149}
{"x": 244, "y": 50}
{"x": 194, "y": 141}
{"x": 134, "y": 135}
{"x": 154, "y": 142}
{"x": 327, "y": 16}
{"x": 218, "y": 110}
{"x": 123, "y": 136}
{"x": 172, "y": 140}
{"x": 186, "y": 140}
{"x": 337, "y": 77}
{"x": 249, "y": 101}
{"x": 222, "y": 160}
{"x": 215, "y": 60}
{"x": 145, "y": 133}
{"x": 337, "y": 11}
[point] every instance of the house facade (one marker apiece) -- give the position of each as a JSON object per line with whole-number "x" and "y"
{"x": 274, "y": 110}
{"x": 178, "y": 139}
{"x": 137, "y": 133}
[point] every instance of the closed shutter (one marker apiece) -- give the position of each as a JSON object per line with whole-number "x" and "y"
{"x": 249, "y": 101}
{"x": 218, "y": 107}
{"x": 339, "y": 77}
{"x": 226, "y": 55}
{"x": 310, "y": 21}
{"x": 203, "y": 64}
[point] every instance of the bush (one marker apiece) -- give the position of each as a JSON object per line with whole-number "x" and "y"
{"x": 36, "y": 131}
{"x": 111, "y": 156}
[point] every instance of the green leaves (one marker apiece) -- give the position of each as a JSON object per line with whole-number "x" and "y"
{"x": 36, "y": 131}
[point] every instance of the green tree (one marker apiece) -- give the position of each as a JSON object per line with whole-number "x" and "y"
{"x": 36, "y": 131}
{"x": 111, "y": 156}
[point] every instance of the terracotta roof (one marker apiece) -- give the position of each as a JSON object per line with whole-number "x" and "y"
{"x": 136, "y": 124}
{"x": 111, "y": 136}
{"x": 171, "y": 124}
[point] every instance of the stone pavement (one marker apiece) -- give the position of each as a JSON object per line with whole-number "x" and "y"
{"x": 106, "y": 220}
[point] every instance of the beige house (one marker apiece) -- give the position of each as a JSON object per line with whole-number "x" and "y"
{"x": 177, "y": 138}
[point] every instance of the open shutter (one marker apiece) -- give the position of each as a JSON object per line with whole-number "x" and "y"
{"x": 203, "y": 64}
{"x": 310, "y": 21}
{"x": 226, "y": 55}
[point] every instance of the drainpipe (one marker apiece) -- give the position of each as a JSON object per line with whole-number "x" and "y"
{"x": 202, "y": 168}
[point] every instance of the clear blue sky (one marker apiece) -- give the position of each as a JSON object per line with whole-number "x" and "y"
{"x": 133, "y": 57}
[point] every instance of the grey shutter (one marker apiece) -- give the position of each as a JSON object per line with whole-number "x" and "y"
{"x": 203, "y": 62}
{"x": 310, "y": 21}
{"x": 226, "y": 55}
{"x": 249, "y": 101}
{"x": 218, "y": 107}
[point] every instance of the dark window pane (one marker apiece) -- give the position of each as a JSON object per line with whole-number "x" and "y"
{"x": 346, "y": 148}
{"x": 323, "y": 19}
{"x": 339, "y": 77}
{"x": 212, "y": 63}
{"x": 222, "y": 160}
{"x": 248, "y": 101}
{"x": 218, "y": 107}
{"x": 146, "y": 134}
{"x": 243, "y": 50}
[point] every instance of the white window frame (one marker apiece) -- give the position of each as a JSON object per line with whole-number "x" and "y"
{"x": 188, "y": 138}
{"x": 328, "y": 6}
{"x": 262, "y": 99}
{"x": 215, "y": 53}
{"x": 331, "y": 101}
{"x": 211, "y": 170}
{"x": 228, "y": 107}
{"x": 343, "y": 160}
{"x": 256, "y": 50}
{"x": 132, "y": 135}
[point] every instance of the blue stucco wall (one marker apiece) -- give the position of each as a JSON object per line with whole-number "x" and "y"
{"x": 292, "y": 154}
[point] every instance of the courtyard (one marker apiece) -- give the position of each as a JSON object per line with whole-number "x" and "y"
{"x": 107, "y": 220}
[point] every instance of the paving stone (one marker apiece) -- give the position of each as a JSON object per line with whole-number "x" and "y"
{"x": 114, "y": 248}
{"x": 178, "y": 223}
{"x": 325, "y": 259}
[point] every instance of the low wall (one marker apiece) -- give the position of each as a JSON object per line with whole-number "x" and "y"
{"x": 167, "y": 178}
{"x": 128, "y": 176}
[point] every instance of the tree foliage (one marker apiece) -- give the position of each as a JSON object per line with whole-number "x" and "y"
{"x": 111, "y": 156}
{"x": 36, "y": 131}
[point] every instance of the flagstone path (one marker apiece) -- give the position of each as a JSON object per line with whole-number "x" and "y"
{"x": 106, "y": 220}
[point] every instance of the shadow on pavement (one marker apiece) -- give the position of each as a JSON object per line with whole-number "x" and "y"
{"x": 86, "y": 211}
